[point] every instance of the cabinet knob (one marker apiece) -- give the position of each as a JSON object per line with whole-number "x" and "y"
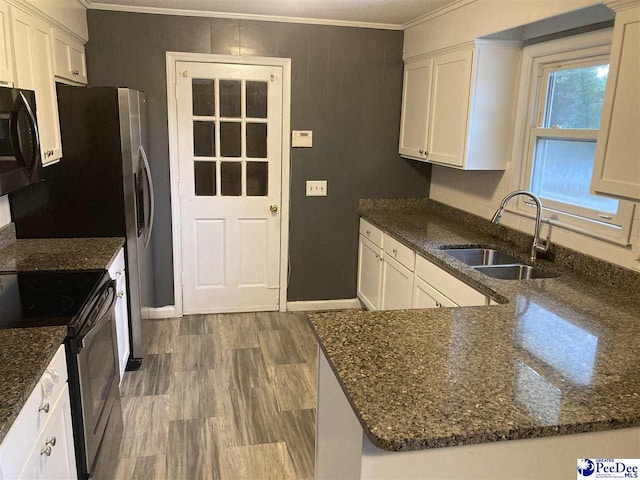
{"x": 44, "y": 408}
{"x": 368, "y": 232}
{"x": 76, "y": 72}
{"x": 421, "y": 151}
{"x": 119, "y": 272}
{"x": 120, "y": 294}
{"x": 395, "y": 252}
{"x": 438, "y": 304}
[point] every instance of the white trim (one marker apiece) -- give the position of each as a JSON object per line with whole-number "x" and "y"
{"x": 321, "y": 305}
{"x": 285, "y": 63}
{"x": 168, "y": 311}
{"x": 243, "y": 16}
{"x": 427, "y": 17}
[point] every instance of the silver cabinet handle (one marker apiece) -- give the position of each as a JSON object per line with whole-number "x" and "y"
{"x": 368, "y": 232}
{"x": 76, "y": 72}
{"x": 44, "y": 408}
{"x": 51, "y": 441}
{"x": 119, "y": 272}
{"x": 46, "y": 450}
{"x": 395, "y": 252}
{"x": 421, "y": 152}
{"x": 120, "y": 294}
{"x": 438, "y": 304}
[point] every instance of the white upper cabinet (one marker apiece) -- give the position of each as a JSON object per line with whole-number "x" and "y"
{"x": 34, "y": 70}
{"x": 414, "y": 124}
{"x": 71, "y": 14}
{"x": 6, "y": 56}
{"x": 70, "y": 59}
{"x": 458, "y": 105}
{"x": 616, "y": 170}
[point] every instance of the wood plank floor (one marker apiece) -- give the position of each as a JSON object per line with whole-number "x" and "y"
{"x": 221, "y": 396}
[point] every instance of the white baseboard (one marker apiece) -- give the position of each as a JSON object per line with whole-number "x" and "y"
{"x": 168, "y": 311}
{"x": 320, "y": 305}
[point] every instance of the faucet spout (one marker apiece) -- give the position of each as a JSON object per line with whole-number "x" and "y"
{"x": 539, "y": 245}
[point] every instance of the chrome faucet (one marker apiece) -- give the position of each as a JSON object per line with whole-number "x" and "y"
{"x": 539, "y": 245}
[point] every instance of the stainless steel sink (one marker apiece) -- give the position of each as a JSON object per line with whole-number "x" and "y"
{"x": 513, "y": 272}
{"x": 481, "y": 256}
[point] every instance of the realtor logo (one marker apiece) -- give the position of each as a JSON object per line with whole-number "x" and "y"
{"x": 608, "y": 468}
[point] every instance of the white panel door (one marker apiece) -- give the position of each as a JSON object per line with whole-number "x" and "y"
{"x": 6, "y": 54}
{"x": 425, "y": 296}
{"x": 414, "y": 123}
{"x": 369, "y": 273}
{"x": 230, "y": 154}
{"x": 450, "y": 108}
{"x": 397, "y": 285}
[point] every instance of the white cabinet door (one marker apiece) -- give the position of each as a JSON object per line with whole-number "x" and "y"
{"x": 118, "y": 273}
{"x": 369, "y": 273}
{"x": 70, "y": 58}
{"x": 414, "y": 123}
{"x": 425, "y": 296}
{"x": 450, "y": 101}
{"x": 6, "y": 57}
{"x": 397, "y": 285}
{"x": 616, "y": 170}
{"x": 33, "y": 43}
{"x": 53, "y": 454}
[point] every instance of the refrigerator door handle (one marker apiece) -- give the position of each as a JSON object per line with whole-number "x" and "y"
{"x": 147, "y": 170}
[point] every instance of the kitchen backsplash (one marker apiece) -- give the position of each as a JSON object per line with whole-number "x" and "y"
{"x": 480, "y": 193}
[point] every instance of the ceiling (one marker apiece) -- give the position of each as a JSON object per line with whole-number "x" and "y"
{"x": 380, "y": 13}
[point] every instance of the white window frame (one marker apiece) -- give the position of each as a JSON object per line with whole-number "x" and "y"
{"x": 538, "y": 61}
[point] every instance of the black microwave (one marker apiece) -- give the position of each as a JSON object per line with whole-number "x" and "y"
{"x": 20, "y": 161}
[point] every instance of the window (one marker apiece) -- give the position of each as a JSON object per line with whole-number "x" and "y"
{"x": 566, "y": 81}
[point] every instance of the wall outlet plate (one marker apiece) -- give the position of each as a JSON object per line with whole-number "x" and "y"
{"x": 316, "y": 188}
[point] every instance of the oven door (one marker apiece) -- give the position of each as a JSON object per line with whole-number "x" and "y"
{"x": 19, "y": 141}
{"x": 97, "y": 362}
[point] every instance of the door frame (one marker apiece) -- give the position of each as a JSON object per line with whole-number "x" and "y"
{"x": 176, "y": 221}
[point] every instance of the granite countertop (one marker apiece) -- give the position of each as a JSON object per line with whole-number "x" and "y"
{"x": 25, "y": 255}
{"x": 24, "y": 356}
{"x": 558, "y": 356}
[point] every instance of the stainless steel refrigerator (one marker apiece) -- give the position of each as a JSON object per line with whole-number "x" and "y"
{"x": 102, "y": 187}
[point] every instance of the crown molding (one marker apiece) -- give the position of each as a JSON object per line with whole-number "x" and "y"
{"x": 240, "y": 16}
{"x": 618, "y": 5}
{"x": 450, "y": 7}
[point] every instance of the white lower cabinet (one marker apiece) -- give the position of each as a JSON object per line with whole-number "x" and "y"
{"x": 392, "y": 277}
{"x": 118, "y": 273}
{"x": 425, "y": 296}
{"x": 39, "y": 444}
{"x": 397, "y": 285}
{"x": 53, "y": 455}
{"x": 369, "y": 273}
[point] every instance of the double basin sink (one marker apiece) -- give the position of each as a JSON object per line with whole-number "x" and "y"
{"x": 496, "y": 264}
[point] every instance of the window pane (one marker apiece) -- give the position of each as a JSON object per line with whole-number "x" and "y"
{"x": 256, "y": 99}
{"x": 230, "y": 141}
{"x": 205, "y": 178}
{"x": 562, "y": 172}
{"x": 257, "y": 178}
{"x": 204, "y": 139}
{"x": 257, "y": 140}
{"x": 203, "y": 97}
{"x": 575, "y": 96}
{"x": 230, "y": 98}
{"x": 231, "y": 178}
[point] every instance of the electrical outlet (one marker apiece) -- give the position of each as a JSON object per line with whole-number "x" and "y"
{"x": 316, "y": 188}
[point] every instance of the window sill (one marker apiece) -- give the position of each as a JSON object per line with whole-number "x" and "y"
{"x": 574, "y": 228}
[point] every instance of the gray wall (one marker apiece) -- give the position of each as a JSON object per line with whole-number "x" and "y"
{"x": 346, "y": 87}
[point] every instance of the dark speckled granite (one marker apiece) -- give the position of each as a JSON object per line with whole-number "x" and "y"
{"x": 560, "y": 356}
{"x": 25, "y": 255}
{"x": 25, "y": 353}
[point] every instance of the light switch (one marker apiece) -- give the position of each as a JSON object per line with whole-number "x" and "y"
{"x": 316, "y": 188}
{"x": 302, "y": 138}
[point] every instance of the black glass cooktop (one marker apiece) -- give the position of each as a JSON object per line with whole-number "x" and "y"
{"x": 37, "y": 299}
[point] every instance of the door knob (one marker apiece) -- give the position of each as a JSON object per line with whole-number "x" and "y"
{"x": 273, "y": 208}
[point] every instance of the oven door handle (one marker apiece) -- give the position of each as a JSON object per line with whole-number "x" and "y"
{"x": 102, "y": 317}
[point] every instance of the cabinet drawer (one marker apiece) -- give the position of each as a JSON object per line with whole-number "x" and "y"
{"x": 458, "y": 291}
{"x": 374, "y": 234}
{"x": 399, "y": 252}
{"x": 33, "y": 417}
{"x": 52, "y": 453}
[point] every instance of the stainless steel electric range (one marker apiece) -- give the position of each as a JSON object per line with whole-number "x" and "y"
{"x": 84, "y": 302}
